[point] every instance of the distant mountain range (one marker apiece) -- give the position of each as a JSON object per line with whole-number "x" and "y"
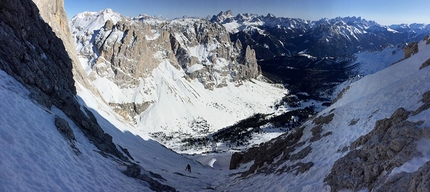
{"x": 274, "y": 36}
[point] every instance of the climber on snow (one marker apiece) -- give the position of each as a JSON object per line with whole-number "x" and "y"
{"x": 188, "y": 168}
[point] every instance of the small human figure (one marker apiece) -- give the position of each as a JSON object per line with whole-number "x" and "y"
{"x": 188, "y": 168}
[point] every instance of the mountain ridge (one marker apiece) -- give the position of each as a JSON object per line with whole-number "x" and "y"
{"x": 341, "y": 36}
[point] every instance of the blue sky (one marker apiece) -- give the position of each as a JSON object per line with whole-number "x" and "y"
{"x": 382, "y": 11}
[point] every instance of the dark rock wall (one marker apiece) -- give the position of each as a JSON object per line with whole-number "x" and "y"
{"x": 36, "y": 57}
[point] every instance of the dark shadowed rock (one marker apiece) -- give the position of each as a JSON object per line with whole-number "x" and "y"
{"x": 63, "y": 126}
{"x": 301, "y": 154}
{"x": 37, "y": 58}
{"x": 135, "y": 171}
{"x": 235, "y": 160}
{"x": 416, "y": 181}
{"x": 265, "y": 154}
{"x": 132, "y": 171}
{"x": 426, "y": 100}
{"x": 321, "y": 120}
{"x": 425, "y": 64}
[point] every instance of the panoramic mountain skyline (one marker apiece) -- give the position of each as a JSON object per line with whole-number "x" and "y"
{"x": 396, "y": 12}
{"x": 243, "y": 103}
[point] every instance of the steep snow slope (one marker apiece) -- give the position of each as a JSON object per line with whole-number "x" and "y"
{"x": 36, "y": 157}
{"x": 370, "y": 62}
{"x": 304, "y": 161}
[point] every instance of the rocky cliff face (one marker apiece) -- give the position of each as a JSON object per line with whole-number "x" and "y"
{"x": 128, "y": 45}
{"x": 53, "y": 13}
{"x": 125, "y": 51}
{"x": 36, "y": 57}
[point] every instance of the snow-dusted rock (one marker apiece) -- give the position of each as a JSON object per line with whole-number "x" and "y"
{"x": 144, "y": 64}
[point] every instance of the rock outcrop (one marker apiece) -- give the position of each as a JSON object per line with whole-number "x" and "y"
{"x": 373, "y": 157}
{"x": 36, "y": 57}
{"x": 268, "y": 157}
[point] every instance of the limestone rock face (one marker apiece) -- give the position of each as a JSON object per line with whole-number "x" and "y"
{"x": 132, "y": 47}
{"x": 125, "y": 51}
{"x": 53, "y": 13}
{"x": 37, "y": 58}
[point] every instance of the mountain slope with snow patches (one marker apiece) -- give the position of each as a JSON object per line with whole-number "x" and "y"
{"x": 164, "y": 77}
{"x": 377, "y": 129}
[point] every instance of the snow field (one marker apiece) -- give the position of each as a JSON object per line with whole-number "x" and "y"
{"x": 152, "y": 156}
{"x": 371, "y": 62}
{"x": 36, "y": 157}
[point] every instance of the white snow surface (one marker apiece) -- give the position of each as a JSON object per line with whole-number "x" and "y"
{"x": 36, "y": 157}
{"x": 87, "y": 22}
{"x": 371, "y": 62}
{"x": 178, "y": 102}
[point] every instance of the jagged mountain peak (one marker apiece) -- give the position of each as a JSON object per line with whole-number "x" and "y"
{"x": 270, "y": 15}
{"x": 228, "y": 13}
{"x": 149, "y": 17}
{"x": 108, "y": 12}
{"x": 89, "y": 21}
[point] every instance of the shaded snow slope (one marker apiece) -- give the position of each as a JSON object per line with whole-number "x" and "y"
{"x": 36, "y": 157}
{"x": 304, "y": 165}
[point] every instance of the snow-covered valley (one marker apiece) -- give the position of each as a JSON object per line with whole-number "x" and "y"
{"x": 177, "y": 105}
